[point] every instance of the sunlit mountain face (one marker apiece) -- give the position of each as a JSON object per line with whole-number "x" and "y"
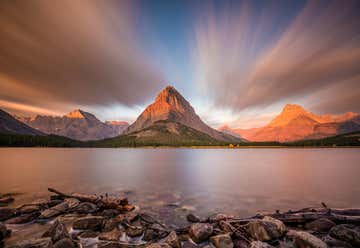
{"x": 237, "y": 62}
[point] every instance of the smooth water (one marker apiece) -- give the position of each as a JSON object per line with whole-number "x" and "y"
{"x": 172, "y": 182}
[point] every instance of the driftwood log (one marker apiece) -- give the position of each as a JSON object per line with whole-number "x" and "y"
{"x": 106, "y": 202}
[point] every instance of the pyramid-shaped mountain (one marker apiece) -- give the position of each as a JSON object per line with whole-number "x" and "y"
{"x": 171, "y": 106}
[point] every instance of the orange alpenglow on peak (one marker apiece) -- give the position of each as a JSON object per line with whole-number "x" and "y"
{"x": 77, "y": 113}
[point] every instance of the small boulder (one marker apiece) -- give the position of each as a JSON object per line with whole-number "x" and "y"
{"x": 173, "y": 240}
{"x": 347, "y": 233}
{"x": 56, "y": 232}
{"x": 25, "y": 218}
{"x": 34, "y": 243}
{"x": 149, "y": 235}
{"x": 222, "y": 241}
{"x": 64, "y": 243}
{"x": 72, "y": 202}
{"x": 55, "y": 210}
{"x": 200, "y": 231}
{"x": 110, "y": 213}
{"x": 6, "y": 200}
{"x": 113, "y": 235}
{"x": 109, "y": 225}
{"x": 189, "y": 244}
{"x": 218, "y": 217}
{"x": 259, "y": 244}
{"x": 320, "y": 225}
{"x": 193, "y": 218}
{"x": 266, "y": 229}
{"x": 6, "y": 213}
{"x": 86, "y": 208}
{"x": 4, "y": 232}
{"x": 29, "y": 209}
{"x": 134, "y": 231}
{"x": 89, "y": 222}
{"x": 306, "y": 240}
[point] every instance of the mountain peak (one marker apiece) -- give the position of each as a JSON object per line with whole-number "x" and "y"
{"x": 293, "y": 108}
{"x": 169, "y": 95}
{"x": 289, "y": 113}
{"x": 77, "y": 113}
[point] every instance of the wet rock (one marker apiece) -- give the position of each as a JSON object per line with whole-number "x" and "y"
{"x": 23, "y": 218}
{"x": 64, "y": 243}
{"x": 34, "y": 243}
{"x": 259, "y": 244}
{"x": 200, "y": 231}
{"x": 6, "y": 213}
{"x": 110, "y": 245}
{"x": 240, "y": 243}
{"x": 149, "y": 235}
{"x": 55, "y": 210}
{"x": 222, "y": 241}
{"x": 347, "y": 233}
{"x": 134, "y": 231}
{"x": 128, "y": 217}
{"x": 86, "y": 208}
{"x": 29, "y": 209}
{"x": 53, "y": 203}
{"x": 189, "y": 244}
{"x": 320, "y": 225}
{"x": 332, "y": 242}
{"x": 193, "y": 218}
{"x": 266, "y": 229}
{"x": 109, "y": 225}
{"x": 89, "y": 222}
{"x": 110, "y": 213}
{"x": 306, "y": 240}
{"x": 173, "y": 240}
{"x": 72, "y": 202}
{"x": 56, "y": 232}
{"x": 113, "y": 235}
{"x": 217, "y": 217}
{"x": 4, "y": 232}
{"x": 6, "y": 200}
{"x": 158, "y": 245}
{"x": 88, "y": 234}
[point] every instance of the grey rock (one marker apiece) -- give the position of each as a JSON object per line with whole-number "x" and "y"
{"x": 173, "y": 240}
{"x": 55, "y": 210}
{"x": 34, "y": 243}
{"x": 332, "y": 242}
{"x": 56, "y": 232}
{"x": 222, "y": 241}
{"x": 193, "y": 218}
{"x": 306, "y": 240}
{"x": 149, "y": 235}
{"x": 113, "y": 235}
{"x": 86, "y": 208}
{"x": 200, "y": 231}
{"x": 320, "y": 225}
{"x": 89, "y": 222}
{"x": 109, "y": 225}
{"x": 4, "y": 232}
{"x": 64, "y": 243}
{"x": 266, "y": 229}
{"x": 134, "y": 231}
{"x": 110, "y": 213}
{"x": 189, "y": 244}
{"x": 6, "y": 213}
{"x": 259, "y": 244}
{"x": 347, "y": 233}
{"x": 25, "y": 218}
{"x": 218, "y": 217}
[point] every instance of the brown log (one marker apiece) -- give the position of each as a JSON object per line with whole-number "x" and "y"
{"x": 108, "y": 202}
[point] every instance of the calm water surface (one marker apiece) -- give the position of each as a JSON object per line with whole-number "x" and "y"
{"x": 172, "y": 182}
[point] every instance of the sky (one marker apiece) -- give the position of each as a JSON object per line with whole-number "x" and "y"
{"x": 237, "y": 62}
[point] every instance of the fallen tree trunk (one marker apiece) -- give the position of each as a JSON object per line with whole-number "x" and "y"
{"x": 107, "y": 202}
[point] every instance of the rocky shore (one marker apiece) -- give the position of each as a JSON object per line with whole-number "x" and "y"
{"x": 90, "y": 221}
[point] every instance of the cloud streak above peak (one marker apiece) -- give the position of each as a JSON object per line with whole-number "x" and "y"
{"x": 77, "y": 52}
{"x": 253, "y": 61}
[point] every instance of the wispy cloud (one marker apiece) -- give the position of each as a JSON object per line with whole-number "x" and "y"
{"x": 73, "y": 52}
{"x": 246, "y": 60}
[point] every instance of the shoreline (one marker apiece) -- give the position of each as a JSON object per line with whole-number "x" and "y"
{"x": 79, "y": 220}
{"x": 188, "y": 147}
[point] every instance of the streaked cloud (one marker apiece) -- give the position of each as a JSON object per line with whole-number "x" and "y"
{"x": 245, "y": 59}
{"x": 73, "y": 52}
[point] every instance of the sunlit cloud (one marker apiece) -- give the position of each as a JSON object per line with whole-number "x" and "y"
{"x": 244, "y": 59}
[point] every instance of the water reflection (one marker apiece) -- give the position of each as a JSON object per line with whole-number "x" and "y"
{"x": 172, "y": 181}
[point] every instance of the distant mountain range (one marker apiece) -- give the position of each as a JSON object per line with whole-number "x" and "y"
{"x": 171, "y": 120}
{"x": 295, "y": 123}
{"x": 78, "y": 125}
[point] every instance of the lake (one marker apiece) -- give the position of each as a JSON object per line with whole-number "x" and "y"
{"x": 170, "y": 183}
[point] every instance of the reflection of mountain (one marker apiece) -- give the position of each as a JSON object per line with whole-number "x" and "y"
{"x": 172, "y": 107}
{"x": 295, "y": 123}
{"x": 9, "y": 125}
{"x": 78, "y": 124}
